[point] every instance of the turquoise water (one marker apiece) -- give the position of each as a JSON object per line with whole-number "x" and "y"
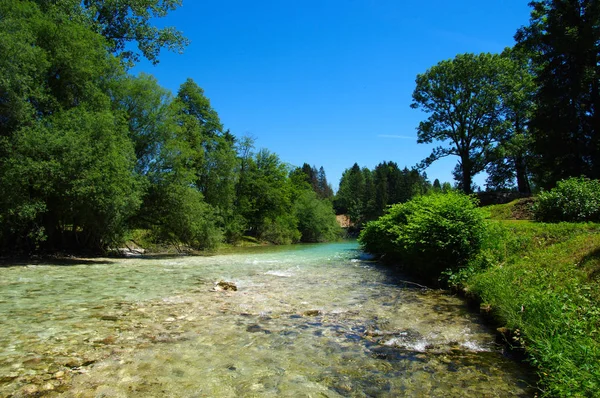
{"x": 313, "y": 321}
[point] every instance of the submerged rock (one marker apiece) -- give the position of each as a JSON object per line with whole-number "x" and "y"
{"x": 223, "y": 285}
{"x": 311, "y": 313}
{"x": 257, "y": 328}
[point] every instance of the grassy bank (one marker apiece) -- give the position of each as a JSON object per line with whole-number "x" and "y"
{"x": 542, "y": 281}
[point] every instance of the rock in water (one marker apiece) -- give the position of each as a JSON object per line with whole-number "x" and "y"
{"x": 311, "y": 313}
{"x": 222, "y": 285}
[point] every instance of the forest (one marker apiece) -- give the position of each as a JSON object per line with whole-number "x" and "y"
{"x": 90, "y": 152}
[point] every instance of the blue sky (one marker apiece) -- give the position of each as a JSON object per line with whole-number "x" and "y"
{"x": 329, "y": 82}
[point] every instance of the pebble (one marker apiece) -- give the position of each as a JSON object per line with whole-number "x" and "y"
{"x": 30, "y": 389}
{"x": 48, "y": 387}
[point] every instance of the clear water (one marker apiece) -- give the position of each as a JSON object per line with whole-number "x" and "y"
{"x": 306, "y": 321}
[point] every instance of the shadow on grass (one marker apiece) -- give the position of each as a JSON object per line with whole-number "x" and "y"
{"x": 591, "y": 264}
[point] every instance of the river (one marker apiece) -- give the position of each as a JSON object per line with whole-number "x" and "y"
{"x": 306, "y": 321}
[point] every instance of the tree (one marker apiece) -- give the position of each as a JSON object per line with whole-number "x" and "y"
{"x": 23, "y": 67}
{"x": 122, "y": 22}
{"x": 389, "y": 182}
{"x": 313, "y": 178}
{"x": 563, "y": 39}
{"x": 511, "y": 159}
{"x": 265, "y": 199}
{"x": 145, "y": 105}
{"x": 316, "y": 219}
{"x": 68, "y": 183}
{"x": 64, "y": 155}
{"x": 66, "y": 152}
{"x": 88, "y": 151}
{"x": 212, "y": 156}
{"x": 365, "y": 195}
{"x": 462, "y": 96}
{"x": 192, "y": 175}
{"x": 324, "y": 189}
{"x": 351, "y": 193}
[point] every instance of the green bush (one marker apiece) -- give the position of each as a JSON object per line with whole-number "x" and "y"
{"x": 181, "y": 216}
{"x": 428, "y": 234}
{"x": 282, "y": 230}
{"x": 575, "y": 199}
{"x": 316, "y": 218}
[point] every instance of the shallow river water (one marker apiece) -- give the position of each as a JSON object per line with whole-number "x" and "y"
{"x": 306, "y": 321}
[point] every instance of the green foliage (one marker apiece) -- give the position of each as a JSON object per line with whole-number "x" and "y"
{"x": 428, "y": 234}
{"x": 313, "y": 178}
{"x": 462, "y": 96}
{"x": 264, "y": 198}
{"x": 145, "y": 105}
{"x": 88, "y": 151}
{"x": 478, "y": 106}
{"x": 180, "y": 215}
{"x": 69, "y": 181}
{"x": 510, "y": 160}
{"x": 350, "y": 196}
{"x": 563, "y": 42}
{"x": 281, "y": 230}
{"x": 123, "y": 22}
{"x": 316, "y": 219}
{"x": 364, "y": 195}
{"x": 575, "y": 199}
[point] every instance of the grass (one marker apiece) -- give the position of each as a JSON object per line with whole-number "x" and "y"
{"x": 544, "y": 285}
{"x": 519, "y": 209}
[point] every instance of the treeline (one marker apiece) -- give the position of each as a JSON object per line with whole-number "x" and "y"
{"x": 530, "y": 116}
{"x": 365, "y": 194}
{"x": 89, "y": 152}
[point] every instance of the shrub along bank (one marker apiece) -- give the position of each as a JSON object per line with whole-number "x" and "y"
{"x": 541, "y": 281}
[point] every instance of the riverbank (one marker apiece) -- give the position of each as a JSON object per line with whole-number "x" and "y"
{"x": 543, "y": 286}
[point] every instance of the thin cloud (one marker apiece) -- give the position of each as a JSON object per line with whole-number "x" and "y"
{"x": 401, "y": 137}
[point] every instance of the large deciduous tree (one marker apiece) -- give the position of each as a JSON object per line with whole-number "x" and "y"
{"x": 123, "y": 22}
{"x": 511, "y": 159}
{"x": 462, "y": 98}
{"x": 563, "y": 38}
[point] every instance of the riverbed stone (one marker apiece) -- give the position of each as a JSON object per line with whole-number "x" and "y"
{"x": 48, "y": 387}
{"x": 30, "y": 389}
{"x": 224, "y": 285}
{"x": 311, "y": 313}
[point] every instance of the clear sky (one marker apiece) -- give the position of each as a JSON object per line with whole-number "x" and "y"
{"x": 329, "y": 82}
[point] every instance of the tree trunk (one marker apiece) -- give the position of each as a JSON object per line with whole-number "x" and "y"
{"x": 522, "y": 179}
{"x": 467, "y": 179}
